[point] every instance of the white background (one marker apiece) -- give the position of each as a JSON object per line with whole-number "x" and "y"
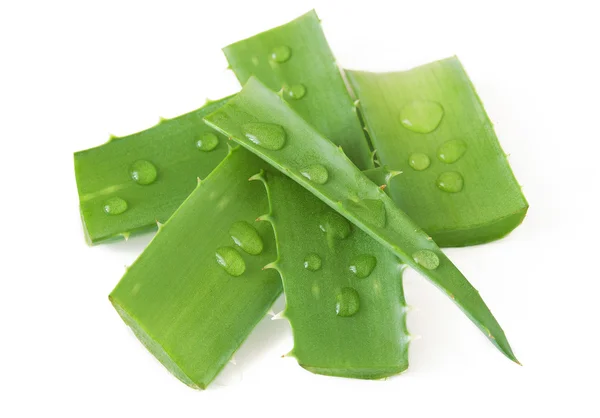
{"x": 73, "y": 72}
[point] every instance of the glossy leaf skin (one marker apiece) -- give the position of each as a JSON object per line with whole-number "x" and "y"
{"x": 372, "y": 343}
{"x": 326, "y": 103}
{"x": 103, "y": 173}
{"x": 178, "y": 300}
{"x": 491, "y": 203}
{"x": 346, "y": 189}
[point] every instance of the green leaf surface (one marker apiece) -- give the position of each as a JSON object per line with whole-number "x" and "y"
{"x": 197, "y": 290}
{"x": 399, "y": 109}
{"x": 119, "y": 192}
{"x": 348, "y": 189}
{"x": 344, "y": 296}
{"x": 296, "y": 59}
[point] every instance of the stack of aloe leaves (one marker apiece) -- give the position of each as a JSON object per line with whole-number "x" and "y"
{"x": 279, "y": 188}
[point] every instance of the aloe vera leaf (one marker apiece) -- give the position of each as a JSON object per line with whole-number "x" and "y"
{"x": 344, "y": 297}
{"x": 296, "y": 59}
{"x": 491, "y": 203}
{"x": 105, "y": 174}
{"x": 181, "y": 303}
{"x": 346, "y": 190}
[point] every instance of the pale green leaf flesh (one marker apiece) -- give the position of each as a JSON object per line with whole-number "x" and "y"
{"x": 184, "y": 307}
{"x": 352, "y": 194}
{"x": 326, "y": 103}
{"x": 491, "y": 203}
{"x": 104, "y": 173}
{"x": 373, "y": 342}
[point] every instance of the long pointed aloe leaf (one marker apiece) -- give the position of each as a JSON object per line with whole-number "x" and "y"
{"x": 198, "y": 289}
{"x": 128, "y": 184}
{"x": 262, "y": 122}
{"x": 296, "y": 59}
{"x": 430, "y": 123}
{"x": 343, "y": 289}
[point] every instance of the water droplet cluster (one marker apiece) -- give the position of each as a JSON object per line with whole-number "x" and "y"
{"x": 279, "y": 55}
{"x": 245, "y": 237}
{"x": 424, "y": 116}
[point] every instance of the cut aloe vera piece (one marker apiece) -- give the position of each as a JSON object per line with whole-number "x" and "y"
{"x": 430, "y": 123}
{"x": 296, "y": 59}
{"x": 198, "y": 289}
{"x": 128, "y": 184}
{"x": 262, "y": 122}
{"x": 343, "y": 289}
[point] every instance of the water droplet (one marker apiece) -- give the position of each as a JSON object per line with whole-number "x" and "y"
{"x": 421, "y": 116}
{"x": 255, "y": 60}
{"x": 115, "y": 206}
{"x": 231, "y": 261}
{"x": 347, "y": 302}
{"x": 370, "y": 210}
{"x": 427, "y": 259}
{"x": 312, "y": 262}
{"x": 335, "y": 225}
{"x": 208, "y": 141}
{"x": 297, "y": 91}
{"x": 143, "y": 172}
{"x": 450, "y": 181}
{"x": 419, "y": 161}
{"x": 316, "y": 173}
{"x": 281, "y": 53}
{"x": 452, "y": 151}
{"x": 246, "y": 237}
{"x": 362, "y": 266}
{"x": 266, "y": 135}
